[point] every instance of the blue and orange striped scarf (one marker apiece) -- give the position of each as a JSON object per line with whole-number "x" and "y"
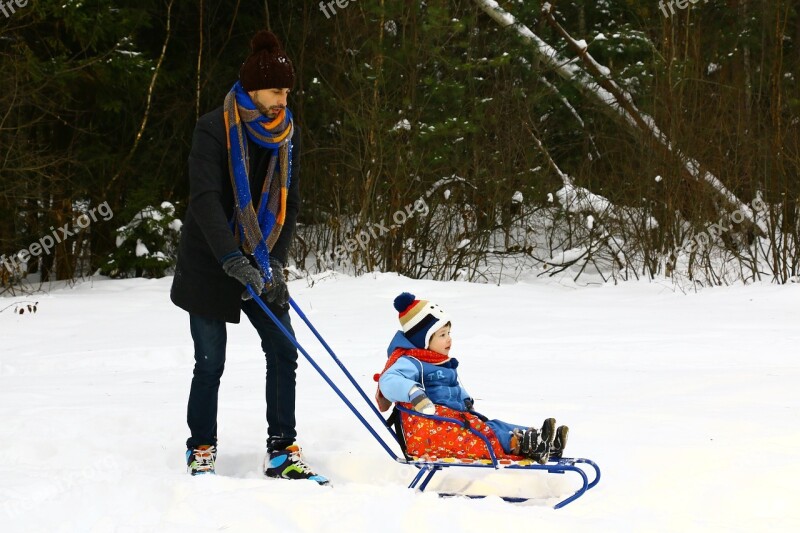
{"x": 257, "y": 231}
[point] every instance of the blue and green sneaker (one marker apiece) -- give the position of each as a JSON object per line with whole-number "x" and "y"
{"x": 287, "y": 464}
{"x": 200, "y": 460}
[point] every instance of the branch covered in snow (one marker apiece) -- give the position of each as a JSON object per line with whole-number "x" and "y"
{"x": 572, "y": 111}
{"x": 601, "y": 88}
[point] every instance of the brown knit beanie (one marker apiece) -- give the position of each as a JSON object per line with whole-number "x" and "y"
{"x": 267, "y": 67}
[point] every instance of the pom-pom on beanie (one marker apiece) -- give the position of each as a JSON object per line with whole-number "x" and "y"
{"x": 267, "y": 67}
{"x": 420, "y": 319}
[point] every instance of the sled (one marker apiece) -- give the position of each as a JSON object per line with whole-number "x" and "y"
{"x": 428, "y": 466}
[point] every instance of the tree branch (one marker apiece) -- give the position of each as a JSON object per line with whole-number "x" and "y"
{"x": 150, "y": 89}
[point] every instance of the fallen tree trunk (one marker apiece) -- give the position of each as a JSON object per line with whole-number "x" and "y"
{"x": 599, "y": 86}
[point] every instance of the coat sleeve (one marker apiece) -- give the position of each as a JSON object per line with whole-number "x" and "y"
{"x": 208, "y": 170}
{"x": 397, "y": 381}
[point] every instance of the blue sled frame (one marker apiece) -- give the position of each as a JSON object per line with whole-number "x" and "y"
{"x": 427, "y": 469}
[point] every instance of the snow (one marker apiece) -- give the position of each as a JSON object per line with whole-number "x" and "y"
{"x": 404, "y": 124}
{"x": 141, "y": 249}
{"x": 567, "y": 256}
{"x": 688, "y": 403}
{"x": 454, "y": 178}
{"x": 577, "y": 200}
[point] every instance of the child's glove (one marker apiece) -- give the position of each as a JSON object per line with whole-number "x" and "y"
{"x": 421, "y": 402}
{"x": 469, "y": 403}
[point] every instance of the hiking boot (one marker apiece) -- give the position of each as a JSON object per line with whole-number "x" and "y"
{"x": 547, "y": 437}
{"x": 532, "y": 446}
{"x": 287, "y": 464}
{"x": 537, "y": 444}
{"x": 529, "y": 442}
{"x": 560, "y": 442}
{"x": 200, "y": 460}
{"x": 548, "y": 431}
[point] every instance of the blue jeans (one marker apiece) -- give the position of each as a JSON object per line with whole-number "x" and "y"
{"x": 210, "y": 337}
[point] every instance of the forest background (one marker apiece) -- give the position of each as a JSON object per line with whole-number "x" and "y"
{"x": 611, "y": 139}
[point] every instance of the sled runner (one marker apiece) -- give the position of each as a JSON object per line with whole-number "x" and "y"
{"x": 428, "y": 465}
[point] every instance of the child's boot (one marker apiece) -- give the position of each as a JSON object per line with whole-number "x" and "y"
{"x": 533, "y": 447}
{"x": 560, "y": 442}
{"x": 528, "y": 442}
{"x": 548, "y": 431}
{"x": 547, "y": 437}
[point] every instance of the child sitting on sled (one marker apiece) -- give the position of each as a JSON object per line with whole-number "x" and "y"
{"x": 421, "y": 375}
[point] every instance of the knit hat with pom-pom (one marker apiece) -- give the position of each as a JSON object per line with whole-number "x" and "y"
{"x": 267, "y": 67}
{"x": 420, "y": 319}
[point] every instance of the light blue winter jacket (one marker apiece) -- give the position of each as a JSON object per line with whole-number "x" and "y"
{"x": 440, "y": 382}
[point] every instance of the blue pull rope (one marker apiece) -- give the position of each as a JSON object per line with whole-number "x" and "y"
{"x": 321, "y": 372}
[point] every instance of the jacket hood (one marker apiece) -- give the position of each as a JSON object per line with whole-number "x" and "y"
{"x": 399, "y": 341}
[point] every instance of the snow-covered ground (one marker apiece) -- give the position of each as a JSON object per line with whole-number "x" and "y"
{"x": 689, "y": 404}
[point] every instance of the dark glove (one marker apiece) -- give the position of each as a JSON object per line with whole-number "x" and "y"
{"x": 421, "y": 402}
{"x": 469, "y": 403}
{"x": 239, "y": 267}
{"x": 277, "y": 292}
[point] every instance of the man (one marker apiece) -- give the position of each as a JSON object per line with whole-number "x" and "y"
{"x": 244, "y": 200}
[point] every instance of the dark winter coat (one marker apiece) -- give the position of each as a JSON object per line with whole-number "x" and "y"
{"x": 200, "y": 286}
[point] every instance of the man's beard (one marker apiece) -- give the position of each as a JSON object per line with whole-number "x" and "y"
{"x": 267, "y": 111}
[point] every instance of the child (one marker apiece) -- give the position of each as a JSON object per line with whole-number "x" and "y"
{"x": 421, "y": 374}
